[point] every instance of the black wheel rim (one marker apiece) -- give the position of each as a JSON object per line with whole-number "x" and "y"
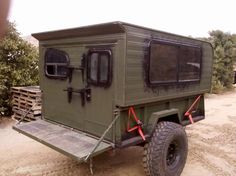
{"x": 173, "y": 154}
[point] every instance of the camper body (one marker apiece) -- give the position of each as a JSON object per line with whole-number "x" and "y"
{"x": 116, "y": 85}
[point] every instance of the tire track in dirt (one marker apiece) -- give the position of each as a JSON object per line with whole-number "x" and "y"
{"x": 226, "y": 135}
{"x": 59, "y": 167}
{"x": 213, "y": 150}
{"x": 232, "y": 118}
{"x": 202, "y": 148}
{"x": 195, "y": 155}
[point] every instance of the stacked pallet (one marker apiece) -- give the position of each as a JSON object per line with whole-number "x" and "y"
{"x": 26, "y": 103}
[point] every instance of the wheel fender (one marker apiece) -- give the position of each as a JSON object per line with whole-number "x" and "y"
{"x": 158, "y": 115}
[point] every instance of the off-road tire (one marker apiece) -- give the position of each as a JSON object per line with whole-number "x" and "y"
{"x": 166, "y": 153}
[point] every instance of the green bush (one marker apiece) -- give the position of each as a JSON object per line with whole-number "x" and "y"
{"x": 223, "y": 60}
{"x": 18, "y": 66}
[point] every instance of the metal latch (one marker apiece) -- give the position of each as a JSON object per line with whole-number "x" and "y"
{"x": 85, "y": 94}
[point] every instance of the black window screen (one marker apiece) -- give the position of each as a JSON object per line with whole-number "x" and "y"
{"x": 99, "y": 67}
{"x": 171, "y": 62}
{"x": 56, "y": 63}
{"x": 163, "y": 63}
{"x": 189, "y": 63}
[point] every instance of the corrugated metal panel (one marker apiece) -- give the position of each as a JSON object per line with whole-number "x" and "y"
{"x": 136, "y": 91}
{"x": 119, "y": 72}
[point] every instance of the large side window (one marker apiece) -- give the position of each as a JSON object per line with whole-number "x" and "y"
{"x": 171, "y": 62}
{"x": 99, "y": 67}
{"x": 189, "y": 63}
{"x": 163, "y": 63}
{"x": 56, "y": 63}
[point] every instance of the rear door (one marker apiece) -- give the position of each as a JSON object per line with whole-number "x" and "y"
{"x": 77, "y": 86}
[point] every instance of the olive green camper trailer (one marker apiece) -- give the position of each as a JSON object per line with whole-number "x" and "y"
{"x": 116, "y": 85}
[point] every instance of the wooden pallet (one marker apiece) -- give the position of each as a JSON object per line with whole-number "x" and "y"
{"x": 25, "y": 105}
{"x": 24, "y": 111}
{"x": 26, "y": 100}
{"x": 29, "y": 90}
{"x": 28, "y": 117}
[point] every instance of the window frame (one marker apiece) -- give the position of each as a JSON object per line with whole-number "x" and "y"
{"x": 100, "y": 52}
{"x": 56, "y": 64}
{"x": 177, "y": 44}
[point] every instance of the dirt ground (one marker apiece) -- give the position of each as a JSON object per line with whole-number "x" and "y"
{"x": 212, "y": 149}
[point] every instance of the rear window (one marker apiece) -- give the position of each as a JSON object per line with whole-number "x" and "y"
{"x": 99, "y": 67}
{"x": 173, "y": 63}
{"x": 56, "y": 63}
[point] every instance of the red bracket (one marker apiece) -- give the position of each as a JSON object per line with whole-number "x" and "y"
{"x": 189, "y": 111}
{"x": 138, "y": 126}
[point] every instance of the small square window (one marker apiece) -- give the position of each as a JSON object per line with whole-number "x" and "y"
{"x": 56, "y": 63}
{"x": 99, "y": 67}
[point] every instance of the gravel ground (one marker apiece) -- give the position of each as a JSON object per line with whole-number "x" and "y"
{"x": 212, "y": 149}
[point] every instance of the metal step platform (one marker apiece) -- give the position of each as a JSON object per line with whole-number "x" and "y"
{"x": 72, "y": 143}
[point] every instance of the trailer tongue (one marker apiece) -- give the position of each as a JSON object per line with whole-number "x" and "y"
{"x": 67, "y": 141}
